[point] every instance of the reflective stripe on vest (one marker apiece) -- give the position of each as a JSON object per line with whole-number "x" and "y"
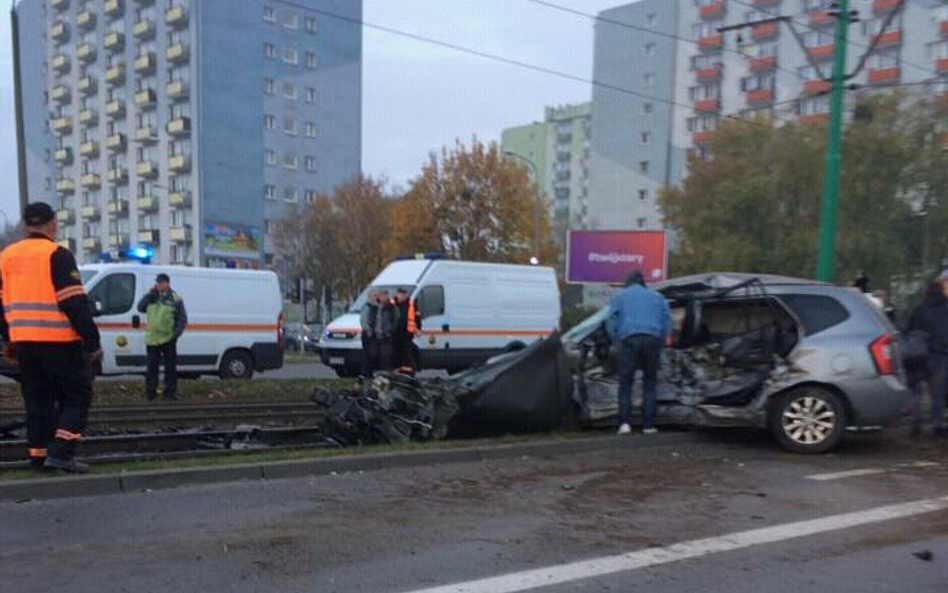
{"x": 412, "y": 323}
{"x": 30, "y": 301}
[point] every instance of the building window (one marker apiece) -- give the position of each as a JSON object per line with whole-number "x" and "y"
{"x": 647, "y": 108}
{"x": 310, "y": 163}
{"x": 292, "y": 21}
{"x": 270, "y": 157}
{"x": 289, "y": 125}
{"x": 270, "y": 192}
{"x": 268, "y": 86}
{"x": 289, "y": 90}
{"x": 269, "y": 14}
{"x": 289, "y": 194}
{"x": 648, "y": 79}
{"x": 641, "y": 222}
{"x": 269, "y": 122}
{"x": 310, "y": 94}
{"x": 269, "y": 51}
{"x": 310, "y": 129}
{"x": 310, "y": 196}
{"x": 310, "y": 59}
{"x": 643, "y": 167}
{"x": 650, "y": 49}
{"x": 289, "y": 161}
{"x": 646, "y": 137}
{"x": 310, "y": 24}
{"x": 643, "y": 194}
{"x": 651, "y": 18}
{"x": 290, "y": 56}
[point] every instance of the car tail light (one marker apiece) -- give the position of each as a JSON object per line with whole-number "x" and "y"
{"x": 883, "y": 354}
{"x": 281, "y": 333}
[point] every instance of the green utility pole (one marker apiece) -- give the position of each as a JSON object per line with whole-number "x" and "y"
{"x": 834, "y": 154}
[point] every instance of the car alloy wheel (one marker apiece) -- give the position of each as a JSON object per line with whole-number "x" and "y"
{"x": 808, "y": 420}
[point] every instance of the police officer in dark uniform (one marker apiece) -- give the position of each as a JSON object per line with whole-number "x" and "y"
{"x": 48, "y": 329}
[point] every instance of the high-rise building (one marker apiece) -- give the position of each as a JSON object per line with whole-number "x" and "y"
{"x": 558, "y": 151}
{"x": 681, "y": 77}
{"x": 187, "y": 125}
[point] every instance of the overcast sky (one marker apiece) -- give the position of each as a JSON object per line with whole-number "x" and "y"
{"x": 418, "y": 97}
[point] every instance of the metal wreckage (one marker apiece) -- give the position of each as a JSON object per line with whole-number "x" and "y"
{"x": 731, "y": 352}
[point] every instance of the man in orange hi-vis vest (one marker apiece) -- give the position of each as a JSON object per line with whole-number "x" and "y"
{"x": 47, "y": 328}
{"x": 405, "y": 333}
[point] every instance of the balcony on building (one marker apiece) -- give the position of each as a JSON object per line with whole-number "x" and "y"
{"x": 821, "y": 18}
{"x": 149, "y": 236}
{"x": 61, "y": 63}
{"x": 87, "y": 85}
{"x": 65, "y": 216}
{"x": 63, "y": 156}
{"x": 712, "y": 73}
{"x": 815, "y": 119}
{"x": 765, "y": 2}
{"x": 760, "y": 97}
{"x": 118, "y": 176}
{"x": 117, "y": 207}
{"x": 113, "y": 8}
{"x": 703, "y": 136}
{"x": 707, "y": 105}
{"x": 765, "y": 31}
{"x": 176, "y": 17}
{"x": 879, "y": 6}
{"x": 145, "y": 63}
{"x": 146, "y": 134}
{"x": 115, "y": 108}
{"x": 144, "y": 2}
{"x": 883, "y": 75}
{"x": 144, "y": 29}
{"x": 763, "y": 64}
{"x": 147, "y": 203}
{"x": 62, "y": 125}
{"x": 711, "y": 42}
{"x": 65, "y": 186}
{"x": 179, "y": 199}
{"x": 177, "y": 53}
{"x": 115, "y": 75}
{"x": 180, "y": 234}
{"x": 114, "y": 41}
{"x": 90, "y": 212}
{"x": 91, "y": 181}
{"x": 118, "y": 240}
{"x": 145, "y": 97}
{"x": 147, "y": 169}
{"x": 942, "y": 65}
{"x": 181, "y": 163}
{"x": 85, "y": 53}
{"x": 180, "y": 127}
{"x": 889, "y": 38}
{"x": 116, "y": 142}
{"x": 89, "y": 149}
{"x": 816, "y": 87}
{"x": 85, "y": 20}
{"x": 88, "y": 117}
{"x": 61, "y": 94}
{"x": 821, "y": 52}
{"x": 177, "y": 89}
{"x": 59, "y": 32}
{"x": 713, "y": 10}
{"x": 944, "y": 28}
{"x": 90, "y": 244}
{"x": 59, "y": 5}
{"x": 67, "y": 243}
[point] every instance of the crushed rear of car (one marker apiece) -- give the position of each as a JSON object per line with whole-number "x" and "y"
{"x": 804, "y": 359}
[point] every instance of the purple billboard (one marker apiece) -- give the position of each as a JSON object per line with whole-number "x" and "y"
{"x": 610, "y": 256}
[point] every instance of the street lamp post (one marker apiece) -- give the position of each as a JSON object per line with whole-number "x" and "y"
{"x": 534, "y": 181}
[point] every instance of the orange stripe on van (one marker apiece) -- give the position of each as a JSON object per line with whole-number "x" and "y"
{"x": 488, "y": 333}
{"x": 205, "y": 327}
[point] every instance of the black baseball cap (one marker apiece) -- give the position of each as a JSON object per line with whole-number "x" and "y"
{"x": 38, "y": 214}
{"x": 162, "y": 278}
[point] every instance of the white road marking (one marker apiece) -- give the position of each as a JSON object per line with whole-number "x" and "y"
{"x": 920, "y": 464}
{"x": 853, "y": 473}
{"x": 597, "y": 567}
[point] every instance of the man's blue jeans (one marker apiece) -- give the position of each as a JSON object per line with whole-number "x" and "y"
{"x": 640, "y": 352}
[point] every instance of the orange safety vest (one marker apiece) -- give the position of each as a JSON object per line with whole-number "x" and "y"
{"x": 30, "y": 301}
{"x": 412, "y": 324}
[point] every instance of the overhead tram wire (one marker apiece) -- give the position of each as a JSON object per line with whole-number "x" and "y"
{"x": 639, "y": 28}
{"x": 809, "y": 27}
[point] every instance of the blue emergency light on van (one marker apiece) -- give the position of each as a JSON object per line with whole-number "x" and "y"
{"x": 139, "y": 253}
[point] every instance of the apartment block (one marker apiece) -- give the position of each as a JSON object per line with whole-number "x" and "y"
{"x": 187, "y": 126}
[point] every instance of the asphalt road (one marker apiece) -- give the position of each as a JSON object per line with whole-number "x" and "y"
{"x": 708, "y": 511}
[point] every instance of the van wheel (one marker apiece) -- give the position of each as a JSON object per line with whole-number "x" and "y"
{"x": 236, "y": 364}
{"x": 808, "y": 420}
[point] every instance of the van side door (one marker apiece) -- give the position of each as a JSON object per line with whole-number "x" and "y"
{"x": 123, "y": 339}
{"x": 434, "y": 334}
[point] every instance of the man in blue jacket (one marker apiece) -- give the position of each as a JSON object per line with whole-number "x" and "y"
{"x": 640, "y": 322}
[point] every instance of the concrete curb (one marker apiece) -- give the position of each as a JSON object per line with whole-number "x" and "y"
{"x": 93, "y": 485}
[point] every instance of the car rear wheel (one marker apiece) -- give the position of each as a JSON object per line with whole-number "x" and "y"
{"x": 236, "y": 364}
{"x": 808, "y": 420}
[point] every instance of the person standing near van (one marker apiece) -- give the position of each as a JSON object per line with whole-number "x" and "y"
{"x": 386, "y": 330}
{"x": 640, "y": 320}
{"x": 404, "y": 333}
{"x": 368, "y": 320}
{"x": 47, "y": 328}
{"x": 167, "y": 319}
{"x": 931, "y": 317}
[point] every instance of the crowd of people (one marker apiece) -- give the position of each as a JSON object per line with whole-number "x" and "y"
{"x": 388, "y": 327}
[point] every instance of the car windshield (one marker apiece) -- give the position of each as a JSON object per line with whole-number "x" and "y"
{"x": 390, "y": 288}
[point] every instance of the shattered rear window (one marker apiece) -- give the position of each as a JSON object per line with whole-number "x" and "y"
{"x": 816, "y": 313}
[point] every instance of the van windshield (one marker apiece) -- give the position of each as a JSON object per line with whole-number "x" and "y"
{"x": 391, "y": 288}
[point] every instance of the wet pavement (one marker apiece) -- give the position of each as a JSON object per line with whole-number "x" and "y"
{"x": 452, "y": 526}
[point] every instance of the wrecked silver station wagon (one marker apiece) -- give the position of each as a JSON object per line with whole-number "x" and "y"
{"x": 801, "y": 358}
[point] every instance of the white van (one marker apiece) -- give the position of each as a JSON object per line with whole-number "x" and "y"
{"x": 234, "y": 318}
{"x": 469, "y": 312}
